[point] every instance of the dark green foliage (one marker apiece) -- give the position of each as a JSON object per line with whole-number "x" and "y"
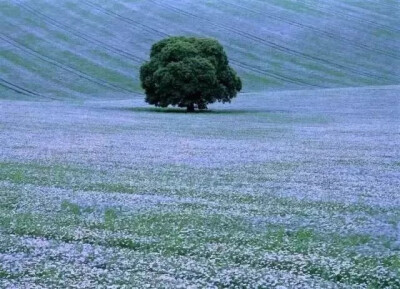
{"x": 188, "y": 72}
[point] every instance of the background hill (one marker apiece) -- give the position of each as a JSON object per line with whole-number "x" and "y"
{"x": 79, "y": 49}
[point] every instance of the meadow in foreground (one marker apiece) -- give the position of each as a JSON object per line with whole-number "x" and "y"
{"x": 277, "y": 190}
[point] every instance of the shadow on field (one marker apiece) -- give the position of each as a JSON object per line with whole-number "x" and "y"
{"x": 208, "y": 111}
{"x": 275, "y": 116}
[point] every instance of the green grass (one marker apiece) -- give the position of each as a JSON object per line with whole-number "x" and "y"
{"x": 297, "y": 6}
{"x": 37, "y": 68}
{"x": 71, "y": 207}
{"x": 98, "y": 70}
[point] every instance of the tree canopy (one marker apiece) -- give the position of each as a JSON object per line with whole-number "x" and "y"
{"x": 188, "y": 72}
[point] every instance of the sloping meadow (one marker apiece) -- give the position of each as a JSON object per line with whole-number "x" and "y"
{"x": 93, "y": 49}
{"x": 295, "y": 189}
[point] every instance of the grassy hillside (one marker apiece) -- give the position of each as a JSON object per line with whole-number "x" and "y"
{"x": 76, "y": 49}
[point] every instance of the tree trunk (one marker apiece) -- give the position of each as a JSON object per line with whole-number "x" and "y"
{"x": 190, "y": 108}
{"x": 202, "y": 106}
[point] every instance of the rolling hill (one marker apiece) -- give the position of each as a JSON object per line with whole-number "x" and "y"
{"x": 293, "y": 185}
{"x": 93, "y": 49}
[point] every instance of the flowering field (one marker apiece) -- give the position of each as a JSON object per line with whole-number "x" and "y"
{"x": 67, "y": 49}
{"x": 296, "y": 189}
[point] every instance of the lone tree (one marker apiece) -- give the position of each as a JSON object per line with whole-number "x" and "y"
{"x": 188, "y": 72}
